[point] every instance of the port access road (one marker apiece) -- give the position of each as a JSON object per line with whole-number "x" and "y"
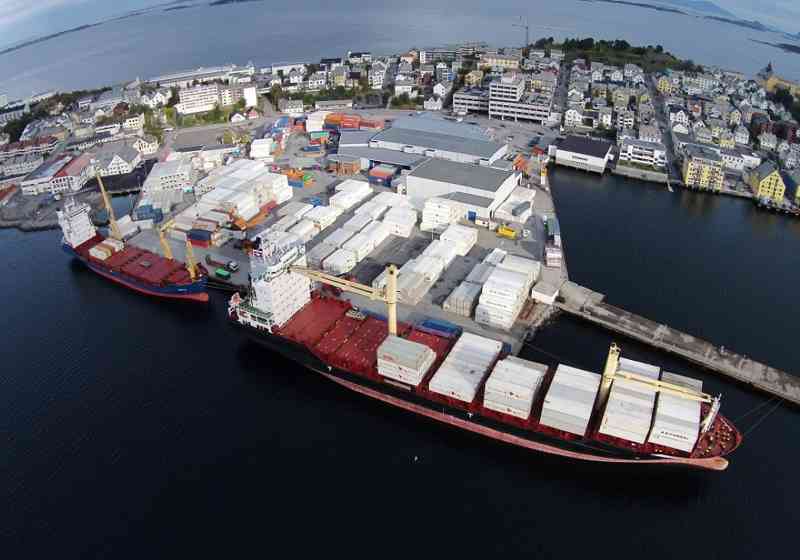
{"x": 589, "y": 305}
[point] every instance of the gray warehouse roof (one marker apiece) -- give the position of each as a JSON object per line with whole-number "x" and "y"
{"x": 428, "y": 122}
{"x": 355, "y": 137}
{"x": 474, "y": 176}
{"x": 470, "y": 199}
{"x": 382, "y": 155}
{"x": 444, "y": 142}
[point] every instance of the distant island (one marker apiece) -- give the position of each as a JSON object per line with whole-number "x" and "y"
{"x": 642, "y": 5}
{"x": 788, "y": 47}
{"x": 223, "y": 2}
{"x": 757, "y": 25}
{"x": 173, "y": 8}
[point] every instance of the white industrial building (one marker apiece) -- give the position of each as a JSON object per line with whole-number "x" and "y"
{"x": 485, "y": 187}
{"x": 170, "y": 175}
{"x": 584, "y": 153}
{"x": 652, "y": 154}
{"x": 116, "y": 158}
{"x": 437, "y": 138}
{"x": 471, "y": 100}
{"x": 507, "y": 99}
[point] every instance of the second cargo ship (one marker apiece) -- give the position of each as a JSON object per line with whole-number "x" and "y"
{"x": 632, "y": 413}
{"x": 137, "y": 269}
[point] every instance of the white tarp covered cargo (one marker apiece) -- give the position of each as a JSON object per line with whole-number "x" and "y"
{"x": 318, "y": 254}
{"x": 338, "y": 237}
{"x": 629, "y": 409}
{"x": 529, "y": 267}
{"x": 360, "y": 245}
{"x": 340, "y": 261}
{"x": 357, "y": 222}
{"x": 462, "y": 372}
{"x": 305, "y": 230}
{"x": 463, "y": 299}
{"x": 462, "y": 237}
{"x": 294, "y": 209}
{"x": 377, "y": 232}
{"x": 569, "y": 401}
{"x": 404, "y": 360}
{"x": 513, "y": 386}
{"x": 372, "y": 209}
{"x": 677, "y": 420}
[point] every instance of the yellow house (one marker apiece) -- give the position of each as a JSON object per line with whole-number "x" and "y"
{"x": 507, "y": 62}
{"x": 774, "y": 82}
{"x": 727, "y": 140}
{"x": 474, "y": 78}
{"x": 767, "y": 183}
{"x": 664, "y": 85}
{"x": 702, "y": 169}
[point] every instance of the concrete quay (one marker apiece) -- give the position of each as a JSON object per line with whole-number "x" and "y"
{"x": 589, "y": 305}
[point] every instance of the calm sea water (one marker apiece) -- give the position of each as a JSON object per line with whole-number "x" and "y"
{"x": 265, "y": 32}
{"x": 134, "y": 428}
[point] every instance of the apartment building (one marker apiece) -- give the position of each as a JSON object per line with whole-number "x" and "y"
{"x": 471, "y": 100}
{"x": 198, "y": 99}
{"x": 767, "y": 183}
{"x": 651, "y": 154}
{"x": 702, "y": 169}
{"x": 501, "y": 61}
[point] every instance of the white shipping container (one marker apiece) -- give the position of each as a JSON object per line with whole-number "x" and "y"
{"x": 404, "y": 360}
{"x": 360, "y": 245}
{"x": 306, "y": 230}
{"x": 294, "y": 209}
{"x": 318, "y": 254}
{"x": 529, "y": 267}
{"x": 495, "y": 257}
{"x": 463, "y": 299}
{"x": 570, "y": 400}
{"x": 357, "y": 222}
{"x": 285, "y": 222}
{"x": 465, "y": 367}
{"x": 429, "y": 267}
{"x": 340, "y": 261}
{"x": 377, "y": 232}
{"x": 338, "y": 237}
{"x": 480, "y": 273}
{"x": 372, "y": 209}
{"x": 463, "y": 237}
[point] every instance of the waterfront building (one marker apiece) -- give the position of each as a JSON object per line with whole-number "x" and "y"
{"x": 434, "y": 55}
{"x": 792, "y": 182}
{"x": 767, "y": 183}
{"x": 732, "y": 159}
{"x": 584, "y": 153}
{"x": 115, "y": 158}
{"x": 650, "y": 154}
{"x": 12, "y": 112}
{"x": 184, "y": 79}
{"x": 20, "y": 164}
{"x": 702, "y": 168}
{"x": 170, "y": 175}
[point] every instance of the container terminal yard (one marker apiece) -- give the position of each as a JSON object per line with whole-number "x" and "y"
{"x": 530, "y": 242}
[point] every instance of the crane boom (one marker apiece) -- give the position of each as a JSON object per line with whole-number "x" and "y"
{"x": 190, "y": 262}
{"x": 387, "y": 295}
{"x": 524, "y": 25}
{"x": 163, "y": 239}
{"x": 112, "y": 220}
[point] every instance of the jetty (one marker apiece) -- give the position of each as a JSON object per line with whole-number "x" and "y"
{"x": 590, "y": 305}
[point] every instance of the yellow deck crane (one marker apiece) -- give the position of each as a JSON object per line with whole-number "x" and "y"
{"x": 191, "y": 264}
{"x": 112, "y": 220}
{"x": 611, "y": 372}
{"x": 388, "y": 295}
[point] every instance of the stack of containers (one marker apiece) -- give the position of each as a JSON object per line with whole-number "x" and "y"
{"x": 318, "y": 254}
{"x": 442, "y": 250}
{"x": 463, "y": 299}
{"x": 340, "y": 261}
{"x": 362, "y": 189}
{"x": 462, "y": 372}
{"x": 495, "y": 257}
{"x": 480, "y": 273}
{"x": 517, "y": 207}
{"x": 372, "y": 209}
{"x": 306, "y": 230}
{"x": 404, "y": 360}
{"x": 344, "y": 200}
{"x": 380, "y": 281}
{"x": 513, "y": 386}
{"x": 294, "y": 209}
{"x": 401, "y": 221}
{"x": 629, "y": 410}
{"x": 126, "y": 227}
{"x": 462, "y": 237}
{"x": 382, "y": 175}
{"x": 357, "y": 222}
{"x": 438, "y": 213}
{"x": 360, "y": 245}
{"x": 430, "y": 268}
{"x": 322, "y": 216}
{"x": 677, "y": 420}
{"x": 570, "y": 400}
{"x": 377, "y": 232}
{"x": 412, "y": 286}
{"x": 553, "y": 256}
{"x": 338, "y": 238}
{"x": 285, "y": 222}
{"x": 529, "y": 267}
{"x": 502, "y": 298}
{"x": 392, "y": 200}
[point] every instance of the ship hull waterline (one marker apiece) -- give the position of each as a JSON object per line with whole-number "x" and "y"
{"x": 457, "y": 419}
{"x": 193, "y": 292}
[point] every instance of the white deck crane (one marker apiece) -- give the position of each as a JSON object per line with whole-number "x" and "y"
{"x": 523, "y": 24}
{"x": 388, "y": 295}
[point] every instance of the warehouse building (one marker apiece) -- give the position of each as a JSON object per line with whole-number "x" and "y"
{"x": 370, "y": 157}
{"x": 440, "y": 178}
{"x": 437, "y": 138}
{"x": 584, "y": 153}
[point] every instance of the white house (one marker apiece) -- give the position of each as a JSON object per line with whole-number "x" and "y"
{"x": 116, "y": 158}
{"x": 678, "y": 115}
{"x": 145, "y": 145}
{"x": 136, "y": 122}
{"x": 741, "y": 135}
{"x": 573, "y": 118}
{"x": 442, "y": 88}
{"x": 433, "y": 104}
{"x": 317, "y": 81}
{"x": 767, "y": 141}
{"x": 732, "y": 159}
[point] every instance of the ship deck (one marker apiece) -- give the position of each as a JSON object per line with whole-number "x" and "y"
{"x": 332, "y": 330}
{"x": 139, "y": 264}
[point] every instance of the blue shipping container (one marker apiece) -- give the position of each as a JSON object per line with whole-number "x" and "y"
{"x": 296, "y": 184}
{"x": 471, "y": 216}
{"x": 199, "y": 235}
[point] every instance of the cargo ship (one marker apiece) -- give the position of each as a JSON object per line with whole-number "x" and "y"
{"x": 631, "y": 413}
{"x": 137, "y": 269}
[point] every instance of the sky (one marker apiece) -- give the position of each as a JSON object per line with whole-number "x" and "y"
{"x": 26, "y": 19}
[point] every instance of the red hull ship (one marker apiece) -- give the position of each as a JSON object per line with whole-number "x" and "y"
{"x": 329, "y": 336}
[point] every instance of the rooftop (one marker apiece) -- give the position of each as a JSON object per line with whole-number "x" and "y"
{"x": 470, "y": 199}
{"x": 584, "y": 145}
{"x": 475, "y": 176}
{"x": 382, "y": 155}
{"x": 49, "y": 168}
{"x": 444, "y": 142}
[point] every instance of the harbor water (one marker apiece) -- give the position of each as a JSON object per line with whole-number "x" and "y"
{"x": 138, "y": 428}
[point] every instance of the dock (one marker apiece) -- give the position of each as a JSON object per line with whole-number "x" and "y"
{"x": 589, "y": 305}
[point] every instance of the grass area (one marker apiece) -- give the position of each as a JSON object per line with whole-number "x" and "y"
{"x": 403, "y": 102}
{"x": 219, "y": 115}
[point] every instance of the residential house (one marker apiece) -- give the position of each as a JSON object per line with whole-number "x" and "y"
{"x": 404, "y": 86}
{"x": 767, "y": 183}
{"x": 650, "y": 154}
{"x": 606, "y": 116}
{"x": 649, "y": 133}
{"x": 134, "y": 122}
{"x": 664, "y": 85}
{"x": 735, "y": 117}
{"x": 433, "y": 104}
{"x": 338, "y": 76}
{"x": 717, "y": 127}
{"x": 767, "y": 141}
{"x": 292, "y": 107}
{"x": 726, "y": 139}
{"x": 732, "y": 159}
{"x": 473, "y": 78}
{"x": 573, "y": 118}
{"x": 317, "y": 81}
{"x": 115, "y": 158}
{"x": 678, "y": 115}
{"x": 680, "y": 128}
{"x": 145, "y": 145}
{"x": 625, "y": 119}
{"x": 741, "y": 135}
{"x": 704, "y": 135}
{"x": 442, "y": 89}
